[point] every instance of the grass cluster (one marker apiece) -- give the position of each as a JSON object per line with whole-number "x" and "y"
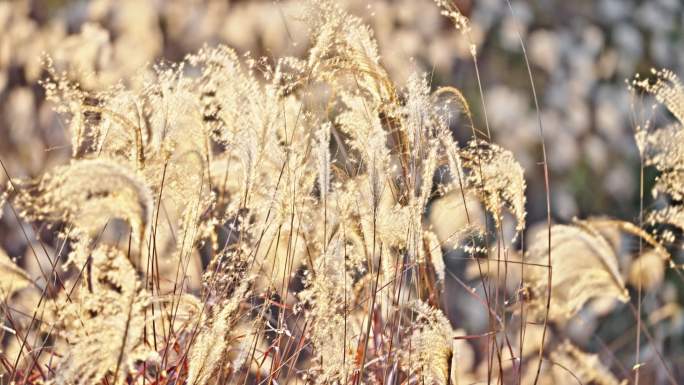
{"x": 237, "y": 220}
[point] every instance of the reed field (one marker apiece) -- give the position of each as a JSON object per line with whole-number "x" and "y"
{"x": 341, "y": 192}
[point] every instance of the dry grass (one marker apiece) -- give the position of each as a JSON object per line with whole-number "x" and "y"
{"x": 233, "y": 220}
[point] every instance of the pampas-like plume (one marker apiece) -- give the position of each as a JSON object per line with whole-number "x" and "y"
{"x": 662, "y": 148}
{"x": 105, "y": 327}
{"x": 498, "y": 177}
{"x": 211, "y": 344}
{"x": 580, "y": 366}
{"x": 88, "y": 194}
{"x": 330, "y": 320}
{"x": 433, "y": 341}
{"x": 584, "y": 266}
{"x": 323, "y": 152}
